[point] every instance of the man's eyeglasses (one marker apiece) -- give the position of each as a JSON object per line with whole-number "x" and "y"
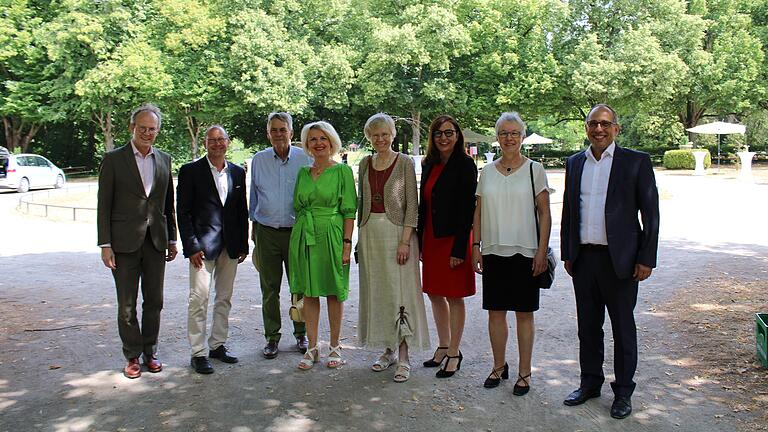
{"x": 513, "y": 134}
{"x": 448, "y": 133}
{"x": 605, "y": 124}
{"x": 144, "y": 129}
{"x": 281, "y": 131}
{"x": 221, "y": 140}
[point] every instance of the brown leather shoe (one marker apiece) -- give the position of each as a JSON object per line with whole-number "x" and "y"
{"x": 152, "y": 363}
{"x": 132, "y": 369}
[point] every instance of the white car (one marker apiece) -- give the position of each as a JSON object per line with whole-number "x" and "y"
{"x": 28, "y": 171}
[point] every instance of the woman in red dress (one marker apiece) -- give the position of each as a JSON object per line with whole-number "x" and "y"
{"x": 447, "y": 205}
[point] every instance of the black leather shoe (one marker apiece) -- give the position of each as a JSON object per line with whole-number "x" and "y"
{"x": 521, "y": 390}
{"x": 202, "y": 365}
{"x": 580, "y": 396}
{"x": 270, "y": 350}
{"x": 302, "y": 344}
{"x": 222, "y": 354}
{"x": 443, "y": 373}
{"x": 494, "y": 379}
{"x": 621, "y": 408}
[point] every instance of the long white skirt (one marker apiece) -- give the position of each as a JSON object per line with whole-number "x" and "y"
{"x": 386, "y": 286}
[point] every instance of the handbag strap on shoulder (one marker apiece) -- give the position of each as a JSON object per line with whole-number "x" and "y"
{"x": 535, "y": 207}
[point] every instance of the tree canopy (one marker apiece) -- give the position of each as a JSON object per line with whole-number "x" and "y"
{"x": 71, "y": 70}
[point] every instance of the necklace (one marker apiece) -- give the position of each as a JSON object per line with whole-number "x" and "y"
{"x": 377, "y": 195}
{"x": 513, "y": 166}
{"x": 317, "y": 171}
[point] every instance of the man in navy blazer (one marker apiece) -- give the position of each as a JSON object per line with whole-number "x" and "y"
{"x": 607, "y": 251}
{"x": 213, "y": 223}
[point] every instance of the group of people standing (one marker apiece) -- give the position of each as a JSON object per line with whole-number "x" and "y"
{"x": 303, "y": 206}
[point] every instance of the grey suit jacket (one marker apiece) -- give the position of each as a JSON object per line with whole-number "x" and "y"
{"x": 631, "y": 190}
{"x": 125, "y": 212}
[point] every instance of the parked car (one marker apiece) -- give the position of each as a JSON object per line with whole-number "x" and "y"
{"x": 28, "y": 171}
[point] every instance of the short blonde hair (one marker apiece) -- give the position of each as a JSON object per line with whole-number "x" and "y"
{"x": 327, "y": 129}
{"x": 376, "y": 120}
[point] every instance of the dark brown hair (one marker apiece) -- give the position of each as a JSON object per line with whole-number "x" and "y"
{"x": 433, "y": 154}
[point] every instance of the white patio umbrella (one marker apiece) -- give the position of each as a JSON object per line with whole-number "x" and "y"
{"x": 719, "y": 128}
{"x": 535, "y": 138}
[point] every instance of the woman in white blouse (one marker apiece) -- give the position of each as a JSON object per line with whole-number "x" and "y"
{"x": 508, "y": 251}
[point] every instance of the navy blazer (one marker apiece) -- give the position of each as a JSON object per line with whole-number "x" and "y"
{"x": 204, "y": 224}
{"x": 631, "y": 189}
{"x": 453, "y": 202}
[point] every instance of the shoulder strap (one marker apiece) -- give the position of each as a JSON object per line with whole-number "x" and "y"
{"x": 533, "y": 196}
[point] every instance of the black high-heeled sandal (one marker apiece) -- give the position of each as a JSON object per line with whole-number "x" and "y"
{"x": 442, "y": 373}
{"x": 494, "y": 379}
{"x": 434, "y": 363}
{"x": 519, "y": 390}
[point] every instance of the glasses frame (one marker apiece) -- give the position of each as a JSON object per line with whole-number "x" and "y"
{"x": 448, "y": 133}
{"x": 509, "y": 135}
{"x": 605, "y": 124}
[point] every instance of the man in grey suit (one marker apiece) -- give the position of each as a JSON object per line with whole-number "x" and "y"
{"x": 137, "y": 234}
{"x": 607, "y": 251}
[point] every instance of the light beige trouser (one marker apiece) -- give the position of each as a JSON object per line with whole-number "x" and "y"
{"x": 221, "y": 274}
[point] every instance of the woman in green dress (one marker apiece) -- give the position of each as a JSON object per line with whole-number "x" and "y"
{"x": 321, "y": 240}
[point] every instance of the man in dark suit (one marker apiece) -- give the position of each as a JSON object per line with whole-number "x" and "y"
{"x": 607, "y": 251}
{"x": 213, "y": 223}
{"x": 137, "y": 234}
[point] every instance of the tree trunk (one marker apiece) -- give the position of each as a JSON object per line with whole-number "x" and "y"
{"x": 193, "y": 127}
{"x": 691, "y": 116}
{"x": 416, "y": 128}
{"x": 27, "y": 138}
{"x": 15, "y": 134}
{"x": 104, "y": 120}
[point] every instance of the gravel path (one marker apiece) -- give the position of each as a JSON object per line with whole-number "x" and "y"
{"x": 60, "y": 367}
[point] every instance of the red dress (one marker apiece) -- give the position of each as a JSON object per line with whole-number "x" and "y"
{"x": 438, "y": 278}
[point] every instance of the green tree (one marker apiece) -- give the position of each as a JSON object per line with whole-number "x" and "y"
{"x": 408, "y": 63}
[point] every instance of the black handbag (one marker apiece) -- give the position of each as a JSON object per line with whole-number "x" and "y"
{"x": 546, "y": 278}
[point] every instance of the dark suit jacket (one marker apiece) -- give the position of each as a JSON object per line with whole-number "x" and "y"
{"x": 453, "y": 202}
{"x": 631, "y": 188}
{"x": 125, "y": 212}
{"x": 204, "y": 224}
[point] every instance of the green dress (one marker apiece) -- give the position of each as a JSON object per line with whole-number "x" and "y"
{"x": 314, "y": 261}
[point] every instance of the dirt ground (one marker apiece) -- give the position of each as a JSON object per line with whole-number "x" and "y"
{"x": 60, "y": 363}
{"x": 717, "y": 316}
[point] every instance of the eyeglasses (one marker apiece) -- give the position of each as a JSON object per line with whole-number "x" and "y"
{"x": 281, "y": 131}
{"x": 448, "y": 133}
{"x": 513, "y": 134}
{"x": 605, "y": 124}
{"x": 144, "y": 129}
{"x": 384, "y": 136}
{"x": 221, "y": 140}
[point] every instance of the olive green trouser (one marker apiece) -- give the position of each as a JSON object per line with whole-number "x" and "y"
{"x": 269, "y": 256}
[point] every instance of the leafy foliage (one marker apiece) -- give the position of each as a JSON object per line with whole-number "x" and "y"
{"x": 72, "y": 70}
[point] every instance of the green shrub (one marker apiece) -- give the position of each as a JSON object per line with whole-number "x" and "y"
{"x": 683, "y": 159}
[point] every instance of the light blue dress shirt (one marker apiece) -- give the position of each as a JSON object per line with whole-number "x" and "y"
{"x": 272, "y": 184}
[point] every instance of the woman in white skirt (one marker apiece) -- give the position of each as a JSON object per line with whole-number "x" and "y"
{"x": 392, "y": 315}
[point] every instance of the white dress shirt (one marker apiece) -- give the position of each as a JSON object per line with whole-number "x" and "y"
{"x": 594, "y": 189}
{"x": 146, "y": 165}
{"x": 221, "y": 179}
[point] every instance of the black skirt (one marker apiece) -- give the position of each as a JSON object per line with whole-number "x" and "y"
{"x": 508, "y": 284}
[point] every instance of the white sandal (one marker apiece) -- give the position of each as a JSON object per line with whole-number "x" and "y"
{"x": 334, "y": 357}
{"x": 403, "y": 372}
{"x": 384, "y": 362}
{"x": 309, "y": 359}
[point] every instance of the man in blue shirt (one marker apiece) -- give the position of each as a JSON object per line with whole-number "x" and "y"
{"x": 273, "y": 177}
